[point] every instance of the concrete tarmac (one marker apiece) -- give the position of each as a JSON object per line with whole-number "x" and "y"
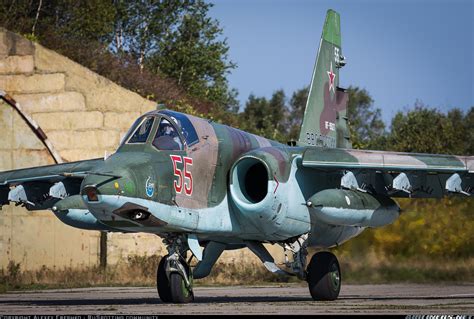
{"x": 284, "y": 299}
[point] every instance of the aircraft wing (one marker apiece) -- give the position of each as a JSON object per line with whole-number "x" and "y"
{"x": 396, "y": 174}
{"x": 40, "y": 187}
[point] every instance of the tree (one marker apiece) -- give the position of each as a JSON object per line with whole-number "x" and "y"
{"x": 468, "y": 138}
{"x": 266, "y": 117}
{"x": 428, "y": 130}
{"x": 297, "y": 107}
{"x": 365, "y": 123}
{"x": 73, "y": 20}
{"x": 141, "y": 26}
{"x": 86, "y": 21}
{"x": 193, "y": 54}
{"x": 80, "y": 30}
{"x": 19, "y": 16}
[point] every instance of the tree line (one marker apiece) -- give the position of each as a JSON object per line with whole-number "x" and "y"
{"x": 173, "y": 52}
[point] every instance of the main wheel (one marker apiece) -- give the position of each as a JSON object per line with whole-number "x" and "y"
{"x": 324, "y": 276}
{"x": 162, "y": 282}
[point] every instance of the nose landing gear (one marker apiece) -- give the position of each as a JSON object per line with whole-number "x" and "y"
{"x": 174, "y": 275}
{"x": 162, "y": 282}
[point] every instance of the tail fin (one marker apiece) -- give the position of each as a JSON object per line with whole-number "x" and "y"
{"x": 325, "y": 120}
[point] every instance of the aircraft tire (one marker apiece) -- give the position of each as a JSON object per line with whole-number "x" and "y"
{"x": 162, "y": 282}
{"x": 324, "y": 276}
{"x": 179, "y": 292}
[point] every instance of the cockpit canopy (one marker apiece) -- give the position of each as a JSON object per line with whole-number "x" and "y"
{"x": 165, "y": 130}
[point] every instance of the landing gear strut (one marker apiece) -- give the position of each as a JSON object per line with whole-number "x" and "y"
{"x": 174, "y": 275}
{"x": 324, "y": 276}
{"x": 323, "y": 273}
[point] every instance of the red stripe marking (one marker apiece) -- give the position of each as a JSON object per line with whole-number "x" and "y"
{"x": 278, "y": 184}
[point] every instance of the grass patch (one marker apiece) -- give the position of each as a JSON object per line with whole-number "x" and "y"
{"x": 141, "y": 271}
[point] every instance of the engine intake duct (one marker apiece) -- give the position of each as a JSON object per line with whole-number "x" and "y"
{"x": 253, "y": 191}
{"x": 250, "y": 180}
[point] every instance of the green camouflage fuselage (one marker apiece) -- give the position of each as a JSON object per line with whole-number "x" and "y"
{"x": 206, "y": 208}
{"x": 233, "y": 186}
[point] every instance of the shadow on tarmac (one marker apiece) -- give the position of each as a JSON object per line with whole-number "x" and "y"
{"x": 211, "y": 300}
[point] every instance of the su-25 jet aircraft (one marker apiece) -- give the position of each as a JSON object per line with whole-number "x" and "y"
{"x": 198, "y": 183}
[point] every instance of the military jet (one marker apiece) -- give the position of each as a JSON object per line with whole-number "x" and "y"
{"x": 199, "y": 184}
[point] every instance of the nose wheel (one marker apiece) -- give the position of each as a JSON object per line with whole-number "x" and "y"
{"x": 162, "y": 282}
{"x": 174, "y": 279}
{"x": 181, "y": 288}
{"x": 324, "y": 276}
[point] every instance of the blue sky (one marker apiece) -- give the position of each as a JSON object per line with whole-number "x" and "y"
{"x": 400, "y": 51}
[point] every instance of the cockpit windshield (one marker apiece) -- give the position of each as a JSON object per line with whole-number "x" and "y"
{"x": 167, "y": 137}
{"x": 174, "y": 131}
{"x": 187, "y": 128}
{"x": 141, "y": 134}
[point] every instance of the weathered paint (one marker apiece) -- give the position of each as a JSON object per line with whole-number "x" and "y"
{"x": 353, "y": 208}
{"x": 325, "y": 119}
{"x": 314, "y": 157}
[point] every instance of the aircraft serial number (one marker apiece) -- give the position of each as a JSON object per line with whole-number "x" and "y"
{"x": 317, "y": 139}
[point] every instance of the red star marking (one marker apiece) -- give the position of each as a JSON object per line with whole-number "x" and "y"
{"x": 331, "y": 76}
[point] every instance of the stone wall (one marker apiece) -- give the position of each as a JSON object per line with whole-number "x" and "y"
{"x": 84, "y": 115}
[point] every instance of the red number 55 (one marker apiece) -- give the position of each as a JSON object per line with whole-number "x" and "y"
{"x": 184, "y": 180}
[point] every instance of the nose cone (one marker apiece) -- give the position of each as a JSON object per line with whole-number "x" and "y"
{"x": 114, "y": 177}
{"x": 97, "y": 184}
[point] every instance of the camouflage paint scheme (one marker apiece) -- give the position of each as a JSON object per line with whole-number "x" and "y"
{"x": 325, "y": 120}
{"x": 231, "y": 187}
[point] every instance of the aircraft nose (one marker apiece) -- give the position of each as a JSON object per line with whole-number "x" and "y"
{"x": 112, "y": 184}
{"x": 97, "y": 184}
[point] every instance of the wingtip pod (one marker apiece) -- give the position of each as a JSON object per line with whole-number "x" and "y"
{"x": 332, "y": 28}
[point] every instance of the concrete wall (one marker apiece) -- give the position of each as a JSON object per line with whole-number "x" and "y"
{"x": 83, "y": 115}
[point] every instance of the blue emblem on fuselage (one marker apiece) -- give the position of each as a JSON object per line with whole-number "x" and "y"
{"x": 149, "y": 188}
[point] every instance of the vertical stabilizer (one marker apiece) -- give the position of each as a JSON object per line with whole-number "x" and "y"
{"x": 325, "y": 120}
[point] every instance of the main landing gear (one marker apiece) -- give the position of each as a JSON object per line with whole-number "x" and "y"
{"x": 174, "y": 276}
{"x": 323, "y": 275}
